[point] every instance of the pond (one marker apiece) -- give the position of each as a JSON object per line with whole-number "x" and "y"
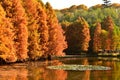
{"x": 39, "y": 70}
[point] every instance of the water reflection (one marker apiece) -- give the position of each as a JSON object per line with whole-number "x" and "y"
{"x": 87, "y": 72}
{"x": 16, "y": 72}
{"x": 38, "y": 70}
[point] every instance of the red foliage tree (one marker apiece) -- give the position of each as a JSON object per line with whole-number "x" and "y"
{"x": 56, "y": 38}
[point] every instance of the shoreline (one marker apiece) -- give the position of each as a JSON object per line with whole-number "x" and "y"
{"x": 98, "y": 55}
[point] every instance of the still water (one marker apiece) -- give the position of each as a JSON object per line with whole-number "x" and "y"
{"x": 39, "y": 71}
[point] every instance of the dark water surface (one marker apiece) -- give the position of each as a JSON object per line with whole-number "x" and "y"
{"x": 39, "y": 71}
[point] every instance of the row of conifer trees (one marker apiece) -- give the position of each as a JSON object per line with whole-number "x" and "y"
{"x": 100, "y": 37}
{"x": 29, "y": 30}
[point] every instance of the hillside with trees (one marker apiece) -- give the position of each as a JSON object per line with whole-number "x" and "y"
{"x": 91, "y": 14}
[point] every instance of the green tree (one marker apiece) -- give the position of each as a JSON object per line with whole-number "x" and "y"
{"x": 116, "y": 39}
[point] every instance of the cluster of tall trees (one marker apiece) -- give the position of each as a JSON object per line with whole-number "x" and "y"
{"x": 29, "y": 30}
{"x": 105, "y": 36}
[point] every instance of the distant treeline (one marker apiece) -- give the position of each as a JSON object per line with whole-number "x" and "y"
{"x": 91, "y": 15}
{"x": 29, "y": 30}
{"x": 91, "y": 29}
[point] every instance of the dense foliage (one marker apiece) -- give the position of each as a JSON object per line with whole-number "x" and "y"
{"x": 78, "y": 36}
{"x": 56, "y": 39}
{"x": 7, "y": 50}
{"x": 91, "y": 15}
{"x": 29, "y": 30}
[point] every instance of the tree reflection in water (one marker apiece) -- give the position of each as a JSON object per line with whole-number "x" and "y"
{"x": 42, "y": 73}
{"x": 86, "y": 75}
{"x": 13, "y": 72}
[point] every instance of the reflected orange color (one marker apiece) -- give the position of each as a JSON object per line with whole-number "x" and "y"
{"x": 39, "y": 71}
{"x": 61, "y": 75}
{"x": 58, "y": 74}
{"x": 87, "y": 75}
{"x": 100, "y": 75}
{"x": 85, "y": 61}
{"x": 87, "y": 72}
{"x": 55, "y": 75}
{"x": 56, "y": 62}
{"x": 13, "y": 73}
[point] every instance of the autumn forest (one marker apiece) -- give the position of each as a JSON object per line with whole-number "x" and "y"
{"x": 93, "y": 30}
{"x": 31, "y": 30}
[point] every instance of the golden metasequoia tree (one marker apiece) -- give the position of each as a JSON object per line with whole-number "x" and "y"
{"x": 56, "y": 42}
{"x": 38, "y": 30}
{"x": 7, "y": 51}
{"x": 16, "y": 13}
{"x": 96, "y": 38}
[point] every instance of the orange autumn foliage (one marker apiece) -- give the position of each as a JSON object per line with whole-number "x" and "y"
{"x": 7, "y": 51}
{"x": 37, "y": 28}
{"x": 15, "y": 12}
{"x": 97, "y": 38}
{"x": 13, "y": 72}
{"x": 56, "y": 41}
{"x": 27, "y": 33}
